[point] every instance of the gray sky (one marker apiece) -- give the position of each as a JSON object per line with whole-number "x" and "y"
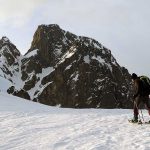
{"x": 123, "y": 26}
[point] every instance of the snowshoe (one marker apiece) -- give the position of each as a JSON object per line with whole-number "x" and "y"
{"x": 147, "y": 122}
{"x": 133, "y": 121}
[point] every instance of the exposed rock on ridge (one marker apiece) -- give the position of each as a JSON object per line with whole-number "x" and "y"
{"x": 67, "y": 70}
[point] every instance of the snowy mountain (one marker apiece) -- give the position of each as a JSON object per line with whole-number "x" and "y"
{"x": 10, "y": 68}
{"x": 63, "y": 69}
{"x": 26, "y": 125}
{"x": 9, "y": 60}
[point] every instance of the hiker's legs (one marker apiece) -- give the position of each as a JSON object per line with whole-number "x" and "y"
{"x": 147, "y": 103}
{"x": 135, "y": 107}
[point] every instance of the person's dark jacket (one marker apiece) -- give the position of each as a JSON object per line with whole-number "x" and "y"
{"x": 139, "y": 88}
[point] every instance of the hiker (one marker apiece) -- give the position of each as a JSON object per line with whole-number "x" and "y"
{"x": 141, "y": 94}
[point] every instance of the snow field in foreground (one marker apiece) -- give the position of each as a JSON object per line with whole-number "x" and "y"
{"x": 26, "y": 125}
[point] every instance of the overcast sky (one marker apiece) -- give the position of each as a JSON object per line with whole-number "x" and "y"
{"x": 123, "y": 26}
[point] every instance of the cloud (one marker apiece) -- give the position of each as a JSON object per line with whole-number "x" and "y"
{"x": 18, "y": 12}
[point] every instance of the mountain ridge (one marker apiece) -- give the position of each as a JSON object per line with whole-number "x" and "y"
{"x": 63, "y": 69}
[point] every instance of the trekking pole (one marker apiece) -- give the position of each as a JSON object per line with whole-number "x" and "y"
{"x": 139, "y": 113}
{"x": 142, "y": 115}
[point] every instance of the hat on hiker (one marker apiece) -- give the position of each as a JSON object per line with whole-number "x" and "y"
{"x": 134, "y": 76}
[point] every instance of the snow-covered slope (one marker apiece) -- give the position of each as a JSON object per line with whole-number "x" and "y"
{"x": 25, "y": 125}
{"x": 4, "y": 84}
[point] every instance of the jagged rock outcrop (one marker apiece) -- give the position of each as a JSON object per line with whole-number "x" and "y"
{"x": 9, "y": 59}
{"x": 10, "y": 64}
{"x": 87, "y": 79}
{"x": 73, "y": 71}
{"x": 20, "y": 93}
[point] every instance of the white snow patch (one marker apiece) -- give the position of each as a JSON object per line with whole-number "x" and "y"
{"x": 100, "y": 80}
{"x": 87, "y": 59}
{"x": 103, "y": 51}
{"x": 58, "y": 51}
{"x": 113, "y": 61}
{"x": 100, "y": 87}
{"x": 76, "y": 77}
{"x": 98, "y": 58}
{"x": 4, "y": 84}
{"x": 109, "y": 66}
{"x": 41, "y": 88}
{"x": 32, "y": 53}
{"x": 1, "y": 73}
{"x": 102, "y": 61}
{"x": 5, "y": 39}
{"x": 97, "y": 46}
{"x": 38, "y": 86}
{"x": 59, "y": 105}
{"x": 17, "y": 75}
{"x": 68, "y": 54}
{"x": 68, "y": 67}
{"x": 64, "y": 40}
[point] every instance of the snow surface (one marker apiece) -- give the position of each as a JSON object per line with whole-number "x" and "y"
{"x": 31, "y": 54}
{"x": 99, "y": 59}
{"x": 102, "y": 61}
{"x": 26, "y": 125}
{"x": 87, "y": 59}
{"x": 4, "y": 84}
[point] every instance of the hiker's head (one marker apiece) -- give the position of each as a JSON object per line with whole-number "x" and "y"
{"x": 134, "y": 76}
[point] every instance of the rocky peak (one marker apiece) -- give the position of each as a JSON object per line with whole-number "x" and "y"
{"x": 6, "y": 47}
{"x": 46, "y": 34}
{"x": 9, "y": 59}
{"x": 43, "y": 41}
{"x": 52, "y": 42}
{"x": 63, "y": 69}
{"x": 5, "y": 40}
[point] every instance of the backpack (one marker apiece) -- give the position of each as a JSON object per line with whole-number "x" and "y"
{"x": 146, "y": 84}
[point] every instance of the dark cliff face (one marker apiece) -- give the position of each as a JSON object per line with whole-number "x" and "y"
{"x": 85, "y": 74}
{"x": 52, "y": 42}
{"x": 67, "y": 70}
{"x": 89, "y": 78}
